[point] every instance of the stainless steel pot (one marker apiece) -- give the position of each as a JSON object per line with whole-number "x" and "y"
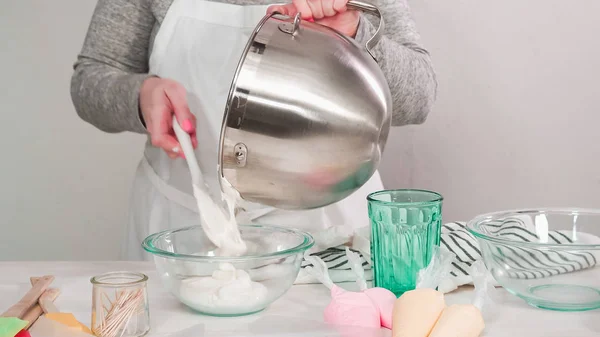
{"x": 308, "y": 114}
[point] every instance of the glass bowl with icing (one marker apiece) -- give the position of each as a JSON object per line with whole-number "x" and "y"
{"x": 191, "y": 268}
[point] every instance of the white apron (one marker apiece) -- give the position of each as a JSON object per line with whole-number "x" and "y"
{"x": 199, "y": 45}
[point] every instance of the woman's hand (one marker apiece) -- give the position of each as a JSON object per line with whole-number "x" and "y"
{"x": 331, "y": 13}
{"x": 159, "y": 100}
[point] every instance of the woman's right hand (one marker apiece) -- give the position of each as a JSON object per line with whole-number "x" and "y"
{"x": 159, "y": 99}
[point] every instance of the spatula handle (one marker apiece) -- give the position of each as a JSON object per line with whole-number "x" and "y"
{"x": 47, "y": 304}
{"x": 44, "y": 306}
{"x": 32, "y": 315}
{"x": 46, "y": 301}
{"x": 30, "y": 298}
{"x": 188, "y": 150}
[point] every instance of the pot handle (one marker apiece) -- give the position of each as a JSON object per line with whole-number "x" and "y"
{"x": 373, "y": 10}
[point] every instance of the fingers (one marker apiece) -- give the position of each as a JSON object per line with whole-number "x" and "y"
{"x": 172, "y": 155}
{"x": 160, "y": 99}
{"x": 304, "y": 9}
{"x": 176, "y": 95}
{"x": 194, "y": 140}
{"x": 328, "y": 9}
{"x": 289, "y": 9}
{"x": 161, "y": 132}
{"x": 340, "y": 5}
{"x": 311, "y": 9}
{"x": 316, "y": 8}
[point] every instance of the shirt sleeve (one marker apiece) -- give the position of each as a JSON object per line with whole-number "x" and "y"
{"x": 404, "y": 62}
{"x": 112, "y": 65}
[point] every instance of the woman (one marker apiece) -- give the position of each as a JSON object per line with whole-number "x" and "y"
{"x": 144, "y": 60}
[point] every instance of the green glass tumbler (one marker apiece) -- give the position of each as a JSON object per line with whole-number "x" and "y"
{"x": 405, "y": 226}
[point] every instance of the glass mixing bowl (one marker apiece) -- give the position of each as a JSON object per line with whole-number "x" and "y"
{"x": 548, "y": 257}
{"x": 187, "y": 264}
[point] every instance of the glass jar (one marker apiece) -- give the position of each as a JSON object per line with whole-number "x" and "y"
{"x": 120, "y": 305}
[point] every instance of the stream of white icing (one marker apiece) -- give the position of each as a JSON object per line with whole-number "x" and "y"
{"x": 221, "y": 228}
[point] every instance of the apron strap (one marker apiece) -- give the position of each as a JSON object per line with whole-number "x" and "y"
{"x": 188, "y": 201}
{"x": 167, "y": 190}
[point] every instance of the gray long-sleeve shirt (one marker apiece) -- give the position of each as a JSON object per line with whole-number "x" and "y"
{"x": 113, "y": 62}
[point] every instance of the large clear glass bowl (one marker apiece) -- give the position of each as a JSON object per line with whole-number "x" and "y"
{"x": 548, "y": 257}
{"x": 185, "y": 260}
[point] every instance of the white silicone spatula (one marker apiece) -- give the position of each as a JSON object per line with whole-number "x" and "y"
{"x": 213, "y": 217}
{"x": 188, "y": 150}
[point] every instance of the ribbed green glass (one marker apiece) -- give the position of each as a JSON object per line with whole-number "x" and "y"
{"x": 405, "y": 226}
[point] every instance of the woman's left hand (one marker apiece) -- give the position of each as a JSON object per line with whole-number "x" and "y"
{"x": 331, "y": 13}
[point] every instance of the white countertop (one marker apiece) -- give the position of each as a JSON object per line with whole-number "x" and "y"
{"x": 298, "y": 313}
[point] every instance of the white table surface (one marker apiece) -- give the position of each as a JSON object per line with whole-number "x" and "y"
{"x": 298, "y": 313}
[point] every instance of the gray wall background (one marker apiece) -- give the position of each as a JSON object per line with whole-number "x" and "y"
{"x": 515, "y": 124}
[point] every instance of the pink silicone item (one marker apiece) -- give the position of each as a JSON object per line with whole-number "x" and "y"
{"x": 384, "y": 300}
{"x": 368, "y": 308}
{"x": 351, "y": 308}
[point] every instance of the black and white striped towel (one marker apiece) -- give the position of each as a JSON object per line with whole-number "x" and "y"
{"x": 525, "y": 263}
{"x": 338, "y": 266}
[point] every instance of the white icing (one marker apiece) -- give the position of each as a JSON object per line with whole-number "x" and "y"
{"x": 220, "y": 227}
{"x": 227, "y": 291}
